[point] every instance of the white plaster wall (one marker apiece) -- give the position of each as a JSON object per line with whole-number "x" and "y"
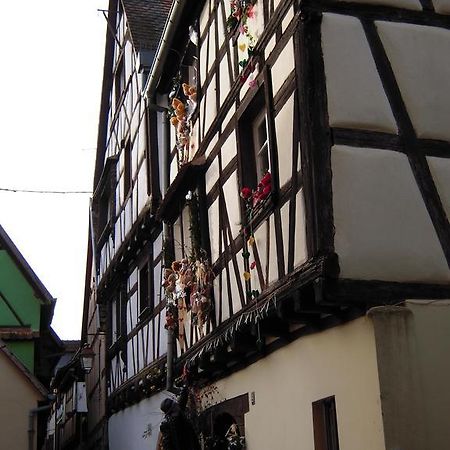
{"x": 408, "y": 4}
{"x": 356, "y": 98}
{"x": 273, "y": 258}
{"x": 412, "y": 347}
{"x": 301, "y": 252}
{"x": 284, "y": 130}
{"x": 442, "y": 6}
{"x": 126, "y": 428}
{"x": 232, "y": 200}
{"x": 340, "y": 362}
{"x": 432, "y": 327}
{"x": 420, "y": 58}
{"x": 229, "y": 149}
{"x": 224, "y": 79}
{"x": 283, "y": 66}
{"x": 440, "y": 170}
{"x": 211, "y": 108}
{"x": 212, "y": 174}
{"x": 214, "y": 234}
{"x": 383, "y": 230}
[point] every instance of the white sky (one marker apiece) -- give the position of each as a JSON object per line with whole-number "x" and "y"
{"x": 51, "y": 72}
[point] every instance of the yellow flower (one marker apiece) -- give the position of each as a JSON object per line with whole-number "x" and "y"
{"x": 251, "y": 241}
{"x": 247, "y": 276}
{"x": 242, "y": 46}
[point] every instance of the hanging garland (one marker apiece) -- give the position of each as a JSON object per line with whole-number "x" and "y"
{"x": 254, "y": 201}
{"x": 241, "y": 12}
{"x": 180, "y": 112}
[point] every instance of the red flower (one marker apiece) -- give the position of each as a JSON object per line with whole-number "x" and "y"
{"x": 266, "y": 180}
{"x": 246, "y": 193}
{"x": 265, "y": 193}
{"x": 253, "y": 265}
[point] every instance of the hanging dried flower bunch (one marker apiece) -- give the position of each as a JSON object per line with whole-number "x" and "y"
{"x": 188, "y": 287}
{"x": 181, "y": 111}
{"x": 188, "y": 283}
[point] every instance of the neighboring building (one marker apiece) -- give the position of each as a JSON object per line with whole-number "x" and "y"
{"x": 31, "y": 348}
{"x": 292, "y": 225}
{"x": 125, "y": 241}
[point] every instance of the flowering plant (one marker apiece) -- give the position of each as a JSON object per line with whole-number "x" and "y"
{"x": 253, "y": 199}
{"x": 241, "y": 12}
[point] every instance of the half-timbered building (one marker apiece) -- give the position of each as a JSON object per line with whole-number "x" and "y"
{"x": 123, "y": 320}
{"x": 267, "y": 175}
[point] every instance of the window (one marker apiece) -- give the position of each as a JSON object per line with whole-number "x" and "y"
{"x": 325, "y": 424}
{"x": 261, "y": 145}
{"x": 254, "y": 142}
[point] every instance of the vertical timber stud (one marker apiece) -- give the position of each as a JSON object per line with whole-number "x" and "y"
{"x": 315, "y": 134}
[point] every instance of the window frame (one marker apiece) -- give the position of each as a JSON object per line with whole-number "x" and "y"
{"x": 325, "y": 426}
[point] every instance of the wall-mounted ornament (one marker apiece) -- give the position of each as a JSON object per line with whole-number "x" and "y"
{"x": 243, "y": 17}
{"x": 181, "y": 110}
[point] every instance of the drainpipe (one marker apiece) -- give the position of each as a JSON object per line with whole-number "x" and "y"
{"x": 150, "y": 89}
{"x": 166, "y": 227}
{"x": 31, "y": 415}
{"x": 166, "y": 240}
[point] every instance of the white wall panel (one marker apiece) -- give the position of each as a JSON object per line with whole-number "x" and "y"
{"x": 442, "y": 6}
{"x": 420, "y": 58}
{"x": 142, "y": 188}
{"x": 212, "y": 174}
{"x": 212, "y": 45}
{"x": 236, "y": 300}
{"x": 211, "y": 110}
{"x": 283, "y": 66}
{"x": 355, "y": 94}
{"x": 284, "y": 129}
{"x": 229, "y": 149}
{"x": 224, "y": 79}
{"x": 440, "y": 170}
{"x": 214, "y": 235}
{"x": 301, "y": 252}
{"x": 383, "y": 230}
{"x": 232, "y": 200}
{"x": 287, "y": 19}
{"x": 285, "y": 232}
{"x": 225, "y": 296}
{"x": 273, "y": 259}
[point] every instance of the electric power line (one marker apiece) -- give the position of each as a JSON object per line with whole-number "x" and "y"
{"x": 36, "y": 191}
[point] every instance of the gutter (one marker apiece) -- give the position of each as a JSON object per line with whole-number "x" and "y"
{"x": 164, "y": 47}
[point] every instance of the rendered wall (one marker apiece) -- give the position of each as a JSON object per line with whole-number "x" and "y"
{"x": 413, "y": 345}
{"x": 17, "y": 398}
{"x": 340, "y": 362}
{"x": 137, "y": 427}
